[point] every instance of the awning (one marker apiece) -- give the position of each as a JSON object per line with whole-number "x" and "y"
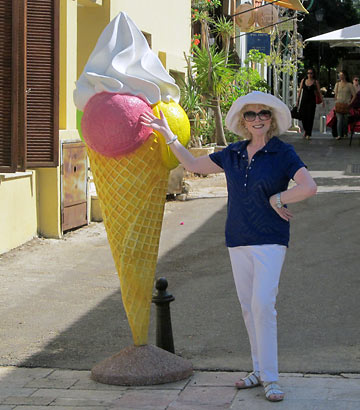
{"x": 344, "y": 37}
{"x": 290, "y": 4}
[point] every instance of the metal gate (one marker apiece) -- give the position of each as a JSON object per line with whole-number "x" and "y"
{"x": 74, "y": 185}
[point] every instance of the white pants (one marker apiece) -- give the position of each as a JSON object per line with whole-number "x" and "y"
{"x": 256, "y": 272}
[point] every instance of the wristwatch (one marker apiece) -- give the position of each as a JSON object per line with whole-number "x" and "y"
{"x": 278, "y": 200}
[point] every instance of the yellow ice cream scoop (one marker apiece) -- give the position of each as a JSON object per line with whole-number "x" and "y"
{"x": 179, "y": 124}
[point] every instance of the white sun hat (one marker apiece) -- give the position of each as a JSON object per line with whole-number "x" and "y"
{"x": 278, "y": 108}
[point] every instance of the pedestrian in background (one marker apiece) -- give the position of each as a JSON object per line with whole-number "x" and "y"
{"x": 308, "y": 94}
{"x": 356, "y": 84}
{"x": 258, "y": 170}
{"x": 355, "y": 104}
{"x": 344, "y": 96}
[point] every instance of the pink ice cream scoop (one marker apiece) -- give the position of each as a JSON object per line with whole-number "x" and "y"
{"x": 111, "y": 125}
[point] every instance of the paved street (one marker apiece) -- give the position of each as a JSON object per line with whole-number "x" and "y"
{"x": 60, "y": 303}
{"x": 41, "y": 388}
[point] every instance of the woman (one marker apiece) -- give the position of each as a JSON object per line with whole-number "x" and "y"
{"x": 356, "y": 84}
{"x": 257, "y": 170}
{"x": 309, "y": 88}
{"x": 355, "y": 104}
{"x": 344, "y": 96}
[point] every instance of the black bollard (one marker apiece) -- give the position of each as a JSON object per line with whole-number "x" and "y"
{"x": 162, "y": 299}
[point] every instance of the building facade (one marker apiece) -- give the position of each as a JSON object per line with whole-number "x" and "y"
{"x": 45, "y": 44}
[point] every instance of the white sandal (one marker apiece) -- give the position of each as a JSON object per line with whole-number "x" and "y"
{"x": 273, "y": 389}
{"x": 251, "y": 380}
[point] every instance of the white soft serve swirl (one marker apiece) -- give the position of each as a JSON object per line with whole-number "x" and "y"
{"x": 123, "y": 62}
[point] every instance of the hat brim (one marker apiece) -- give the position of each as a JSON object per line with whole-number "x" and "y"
{"x": 280, "y": 111}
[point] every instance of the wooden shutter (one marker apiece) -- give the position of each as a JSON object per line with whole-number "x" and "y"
{"x": 29, "y": 84}
{"x": 42, "y": 83}
{"x": 8, "y": 89}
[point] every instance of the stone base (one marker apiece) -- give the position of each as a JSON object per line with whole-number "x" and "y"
{"x": 141, "y": 366}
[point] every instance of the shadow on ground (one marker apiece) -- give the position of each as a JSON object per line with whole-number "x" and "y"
{"x": 317, "y": 304}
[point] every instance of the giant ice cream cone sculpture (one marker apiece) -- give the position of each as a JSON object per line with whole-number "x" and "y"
{"x": 132, "y": 191}
{"x": 130, "y": 164}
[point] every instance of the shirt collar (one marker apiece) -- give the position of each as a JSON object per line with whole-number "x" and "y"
{"x": 273, "y": 145}
{"x": 239, "y": 146}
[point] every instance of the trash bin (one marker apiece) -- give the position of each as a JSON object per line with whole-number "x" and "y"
{"x": 323, "y": 124}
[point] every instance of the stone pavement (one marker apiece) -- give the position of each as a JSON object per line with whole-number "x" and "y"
{"x": 40, "y": 388}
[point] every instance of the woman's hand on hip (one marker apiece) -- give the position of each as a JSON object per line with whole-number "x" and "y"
{"x": 283, "y": 212}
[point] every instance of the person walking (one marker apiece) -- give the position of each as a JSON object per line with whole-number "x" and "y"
{"x": 345, "y": 94}
{"x": 258, "y": 170}
{"x": 308, "y": 93}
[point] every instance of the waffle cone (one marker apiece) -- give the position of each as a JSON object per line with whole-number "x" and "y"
{"x": 132, "y": 193}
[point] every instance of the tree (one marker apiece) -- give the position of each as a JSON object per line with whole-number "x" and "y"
{"x": 210, "y": 65}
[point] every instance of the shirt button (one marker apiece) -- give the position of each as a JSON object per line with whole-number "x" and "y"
{"x": 249, "y": 167}
{"x": 244, "y": 184}
{"x": 243, "y": 156}
{"x": 238, "y": 152}
{"x": 266, "y": 150}
{"x": 252, "y": 160}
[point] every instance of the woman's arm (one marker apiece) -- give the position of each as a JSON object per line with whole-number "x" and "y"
{"x": 200, "y": 165}
{"x": 353, "y": 94}
{"x": 305, "y": 188}
{"x": 299, "y": 93}
{"x": 336, "y": 91}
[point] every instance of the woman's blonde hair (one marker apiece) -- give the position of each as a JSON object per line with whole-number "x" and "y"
{"x": 245, "y": 132}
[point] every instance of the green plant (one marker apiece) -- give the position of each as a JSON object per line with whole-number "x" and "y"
{"x": 224, "y": 29}
{"x": 283, "y": 55}
{"x": 215, "y": 82}
{"x": 255, "y": 56}
{"x": 191, "y": 101}
{"x": 206, "y": 129}
{"x": 209, "y": 72}
{"x": 246, "y": 79}
{"x": 202, "y": 8}
{"x": 213, "y": 77}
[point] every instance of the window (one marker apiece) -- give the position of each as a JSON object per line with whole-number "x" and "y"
{"x": 29, "y": 78}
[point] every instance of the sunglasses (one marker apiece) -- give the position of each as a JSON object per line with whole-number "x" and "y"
{"x": 250, "y": 116}
{"x": 310, "y": 72}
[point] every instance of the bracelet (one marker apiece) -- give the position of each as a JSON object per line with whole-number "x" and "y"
{"x": 278, "y": 200}
{"x": 173, "y": 139}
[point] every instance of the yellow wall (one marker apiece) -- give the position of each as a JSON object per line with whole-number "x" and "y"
{"x": 91, "y": 21}
{"x": 18, "y": 220}
{"x": 156, "y": 18}
{"x": 68, "y": 63}
{"x": 49, "y": 202}
{"x": 168, "y": 22}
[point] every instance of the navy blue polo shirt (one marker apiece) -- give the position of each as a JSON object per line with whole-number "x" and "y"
{"x": 250, "y": 219}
